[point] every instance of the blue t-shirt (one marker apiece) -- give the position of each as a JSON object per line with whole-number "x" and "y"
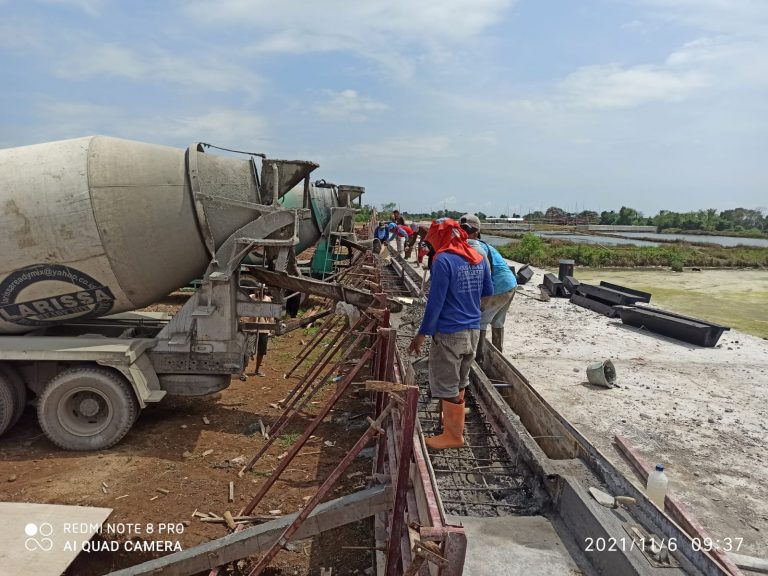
{"x": 503, "y": 278}
{"x": 454, "y": 294}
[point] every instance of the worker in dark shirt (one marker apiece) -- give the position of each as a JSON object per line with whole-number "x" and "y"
{"x": 418, "y": 236}
{"x": 460, "y": 277}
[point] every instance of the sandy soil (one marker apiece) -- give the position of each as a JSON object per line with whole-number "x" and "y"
{"x": 165, "y": 450}
{"x": 700, "y": 411}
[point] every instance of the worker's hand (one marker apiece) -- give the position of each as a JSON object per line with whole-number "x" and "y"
{"x": 416, "y": 343}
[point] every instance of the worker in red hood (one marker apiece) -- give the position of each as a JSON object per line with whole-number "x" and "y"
{"x": 460, "y": 277}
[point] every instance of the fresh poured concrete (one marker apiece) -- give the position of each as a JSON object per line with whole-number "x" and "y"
{"x": 514, "y": 546}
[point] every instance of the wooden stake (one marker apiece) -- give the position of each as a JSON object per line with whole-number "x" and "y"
{"x": 384, "y": 386}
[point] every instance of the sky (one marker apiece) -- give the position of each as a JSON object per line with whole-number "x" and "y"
{"x": 470, "y": 105}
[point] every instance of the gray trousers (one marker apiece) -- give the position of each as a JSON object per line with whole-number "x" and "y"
{"x": 450, "y": 358}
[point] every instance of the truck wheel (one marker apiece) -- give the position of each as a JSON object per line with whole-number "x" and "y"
{"x": 20, "y": 392}
{"x": 7, "y": 404}
{"x": 87, "y": 408}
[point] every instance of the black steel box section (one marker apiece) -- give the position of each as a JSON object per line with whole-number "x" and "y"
{"x": 645, "y": 295}
{"x": 571, "y": 284}
{"x": 608, "y": 295}
{"x": 565, "y": 269}
{"x": 595, "y": 306}
{"x": 553, "y": 284}
{"x": 524, "y": 274}
{"x": 685, "y": 328}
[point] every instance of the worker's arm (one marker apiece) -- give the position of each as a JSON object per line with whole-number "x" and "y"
{"x": 438, "y": 289}
{"x": 487, "y": 280}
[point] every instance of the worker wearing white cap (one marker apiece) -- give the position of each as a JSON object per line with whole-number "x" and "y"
{"x": 493, "y": 308}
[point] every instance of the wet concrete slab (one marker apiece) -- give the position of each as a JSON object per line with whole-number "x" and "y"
{"x": 514, "y": 545}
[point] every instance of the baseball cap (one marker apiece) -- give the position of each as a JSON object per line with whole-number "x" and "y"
{"x": 471, "y": 221}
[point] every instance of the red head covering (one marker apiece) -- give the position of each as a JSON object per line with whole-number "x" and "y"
{"x": 445, "y": 235}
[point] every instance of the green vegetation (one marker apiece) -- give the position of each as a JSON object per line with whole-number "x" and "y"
{"x": 288, "y": 439}
{"x": 739, "y": 221}
{"x": 532, "y": 249}
{"x": 753, "y": 233}
{"x": 748, "y": 222}
{"x": 313, "y": 329}
{"x": 364, "y": 214}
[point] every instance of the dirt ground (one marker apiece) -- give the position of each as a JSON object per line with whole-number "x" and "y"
{"x": 700, "y": 411}
{"x": 165, "y": 450}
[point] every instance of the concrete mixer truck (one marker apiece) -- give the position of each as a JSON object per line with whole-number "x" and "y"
{"x": 93, "y": 229}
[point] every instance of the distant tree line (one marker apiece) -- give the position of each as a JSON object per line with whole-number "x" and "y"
{"x": 710, "y": 220}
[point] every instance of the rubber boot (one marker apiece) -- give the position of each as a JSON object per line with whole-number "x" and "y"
{"x": 480, "y": 345}
{"x": 440, "y": 420}
{"x": 497, "y": 337}
{"x": 453, "y": 428}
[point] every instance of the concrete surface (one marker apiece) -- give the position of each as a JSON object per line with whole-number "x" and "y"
{"x": 700, "y": 411}
{"x": 514, "y": 545}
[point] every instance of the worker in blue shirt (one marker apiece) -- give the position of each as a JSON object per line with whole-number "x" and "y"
{"x": 460, "y": 278}
{"x": 381, "y": 233}
{"x": 494, "y": 308}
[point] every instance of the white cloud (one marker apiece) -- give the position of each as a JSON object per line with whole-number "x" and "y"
{"x": 436, "y": 19}
{"x": 723, "y": 16}
{"x": 238, "y": 129}
{"x": 206, "y": 73}
{"x": 102, "y": 61}
{"x": 614, "y": 86}
{"x": 78, "y": 110}
{"x": 90, "y": 7}
{"x": 68, "y": 119}
{"x": 414, "y": 148}
{"x": 348, "y": 105}
{"x": 734, "y": 62}
{"x": 392, "y": 33}
{"x": 230, "y": 128}
{"x": 705, "y": 50}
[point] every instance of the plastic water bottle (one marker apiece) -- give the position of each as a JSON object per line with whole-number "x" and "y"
{"x": 656, "y": 488}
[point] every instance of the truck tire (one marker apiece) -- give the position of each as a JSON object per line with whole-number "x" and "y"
{"x": 7, "y": 404}
{"x": 20, "y": 390}
{"x": 87, "y": 408}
